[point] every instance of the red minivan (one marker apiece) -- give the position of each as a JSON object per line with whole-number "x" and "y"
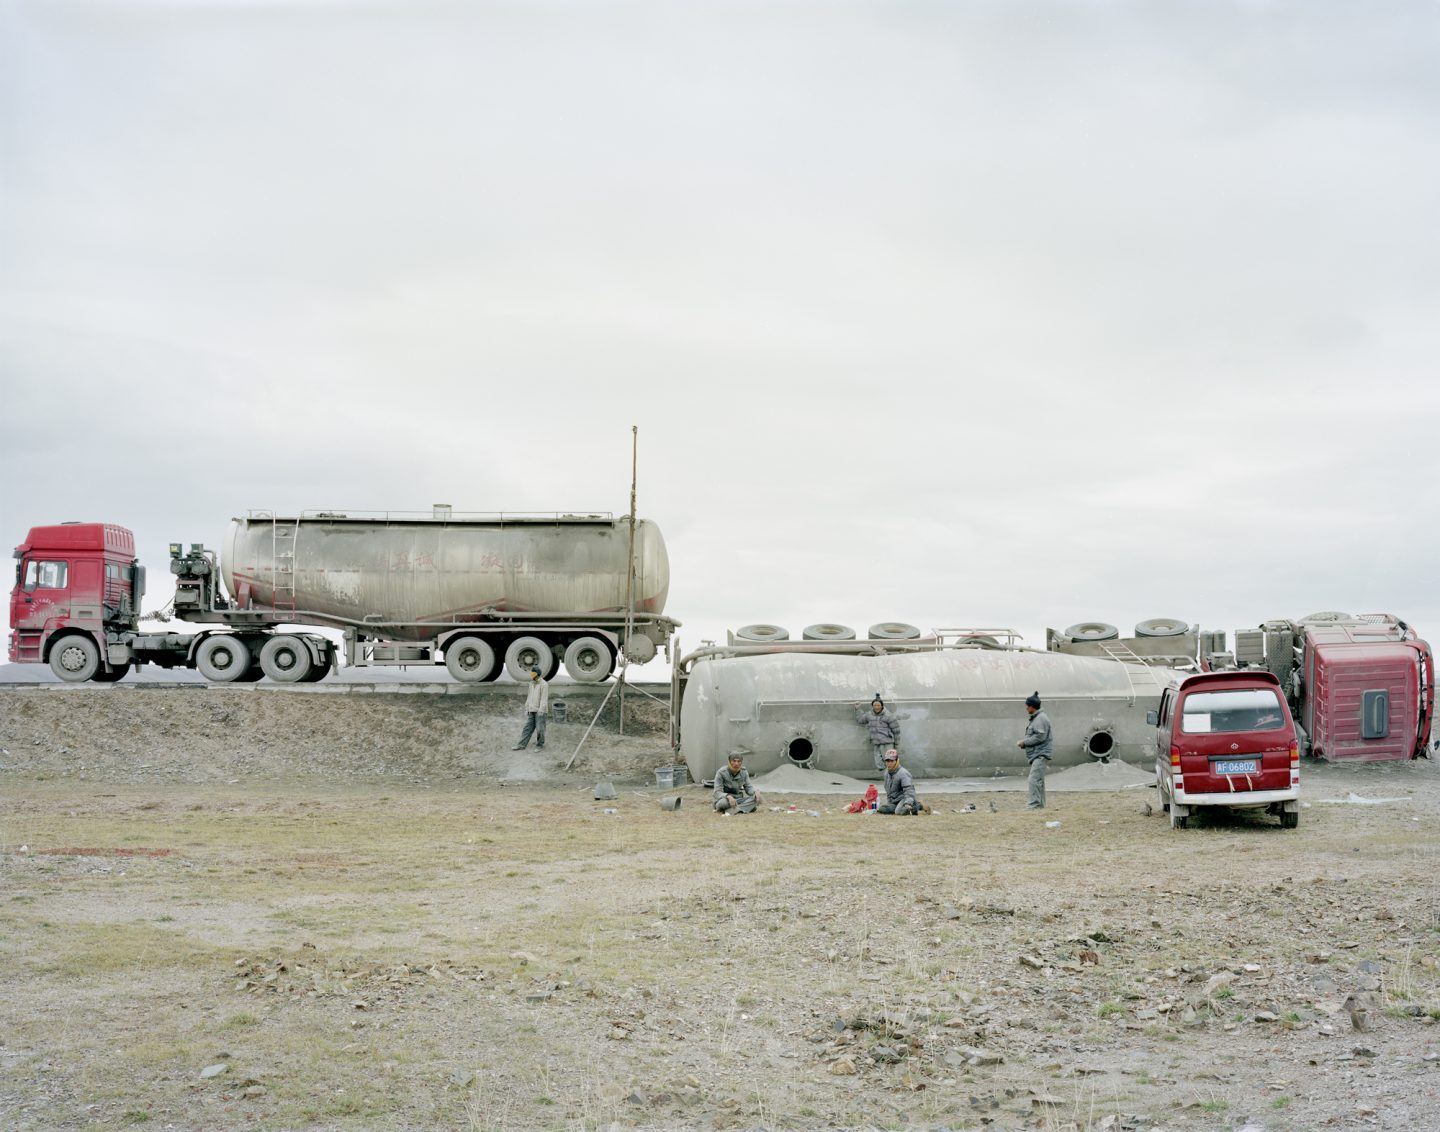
{"x": 1227, "y": 739}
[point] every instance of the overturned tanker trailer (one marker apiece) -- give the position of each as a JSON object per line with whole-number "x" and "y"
{"x": 961, "y": 706}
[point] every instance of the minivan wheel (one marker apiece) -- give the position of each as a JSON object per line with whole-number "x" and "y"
{"x": 1289, "y": 820}
{"x": 1178, "y": 820}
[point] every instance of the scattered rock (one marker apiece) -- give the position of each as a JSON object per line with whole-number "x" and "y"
{"x": 605, "y": 791}
{"x": 253, "y": 1091}
{"x": 884, "y": 1054}
{"x": 523, "y": 957}
{"x": 843, "y": 1067}
{"x": 214, "y": 1070}
{"x": 463, "y": 1078}
{"x": 1266, "y": 1016}
{"x": 542, "y": 996}
{"x": 1218, "y": 982}
{"x": 1031, "y": 961}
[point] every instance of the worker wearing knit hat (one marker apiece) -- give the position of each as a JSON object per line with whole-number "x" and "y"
{"x": 1038, "y": 747}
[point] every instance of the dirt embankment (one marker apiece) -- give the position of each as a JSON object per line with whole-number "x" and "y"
{"x": 212, "y": 735}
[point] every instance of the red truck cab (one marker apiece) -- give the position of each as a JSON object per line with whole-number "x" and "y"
{"x": 1227, "y": 739}
{"x": 77, "y": 587}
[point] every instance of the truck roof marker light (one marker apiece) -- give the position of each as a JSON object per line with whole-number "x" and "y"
{"x": 176, "y": 549}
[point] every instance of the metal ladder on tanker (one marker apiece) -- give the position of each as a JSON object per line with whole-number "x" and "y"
{"x": 1129, "y": 660}
{"x": 283, "y": 536}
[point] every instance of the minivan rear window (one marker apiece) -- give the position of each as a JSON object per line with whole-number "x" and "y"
{"x": 1254, "y": 709}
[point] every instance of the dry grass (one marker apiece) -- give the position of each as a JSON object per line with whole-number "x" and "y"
{"x": 695, "y": 966}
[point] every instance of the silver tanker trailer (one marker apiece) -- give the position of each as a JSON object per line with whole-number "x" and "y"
{"x": 961, "y": 705}
{"x": 480, "y": 593}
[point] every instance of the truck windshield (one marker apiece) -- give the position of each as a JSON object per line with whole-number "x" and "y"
{"x": 1254, "y": 709}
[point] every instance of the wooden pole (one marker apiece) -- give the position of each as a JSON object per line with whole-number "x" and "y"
{"x": 630, "y": 572}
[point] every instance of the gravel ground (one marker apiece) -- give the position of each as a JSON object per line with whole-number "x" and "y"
{"x": 407, "y": 936}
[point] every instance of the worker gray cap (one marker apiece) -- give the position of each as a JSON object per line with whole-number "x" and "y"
{"x": 737, "y": 755}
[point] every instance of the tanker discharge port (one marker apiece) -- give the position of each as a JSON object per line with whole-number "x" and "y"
{"x": 800, "y": 750}
{"x": 1100, "y": 745}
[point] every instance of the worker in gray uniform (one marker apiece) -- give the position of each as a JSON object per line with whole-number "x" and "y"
{"x": 1038, "y": 748}
{"x": 900, "y": 796}
{"x": 734, "y": 793}
{"x": 537, "y": 707}
{"x": 883, "y": 726}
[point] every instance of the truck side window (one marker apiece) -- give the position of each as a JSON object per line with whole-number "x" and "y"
{"x": 46, "y": 575}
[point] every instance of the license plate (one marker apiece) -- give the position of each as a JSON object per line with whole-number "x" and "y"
{"x": 1235, "y": 766}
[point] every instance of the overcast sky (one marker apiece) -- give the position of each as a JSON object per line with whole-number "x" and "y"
{"x": 959, "y": 314}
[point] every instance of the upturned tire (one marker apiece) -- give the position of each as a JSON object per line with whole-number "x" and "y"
{"x": 525, "y": 653}
{"x": 223, "y": 658}
{"x": 286, "y": 659}
{"x": 75, "y": 658}
{"x": 471, "y": 660}
{"x": 1162, "y": 627}
{"x": 589, "y": 660}
{"x": 893, "y": 631}
{"x": 1092, "y": 631}
{"x": 827, "y": 631}
{"x": 762, "y": 634}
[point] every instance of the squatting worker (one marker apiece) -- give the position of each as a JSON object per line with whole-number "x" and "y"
{"x": 1038, "y": 748}
{"x": 734, "y": 793}
{"x": 884, "y": 728}
{"x": 900, "y": 796}
{"x": 537, "y": 706}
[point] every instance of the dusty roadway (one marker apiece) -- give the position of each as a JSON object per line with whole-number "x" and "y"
{"x": 440, "y": 950}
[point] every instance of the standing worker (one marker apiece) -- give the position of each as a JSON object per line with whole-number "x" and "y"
{"x": 1037, "y": 747}
{"x": 734, "y": 793}
{"x": 884, "y": 728}
{"x": 537, "y": 706}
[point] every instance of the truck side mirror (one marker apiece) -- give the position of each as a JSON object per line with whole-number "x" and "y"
{"x": 1152, "y": 718}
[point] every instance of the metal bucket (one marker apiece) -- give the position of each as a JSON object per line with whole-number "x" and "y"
{"x": 671, "y": 803}
{"x": 557, "y": 710}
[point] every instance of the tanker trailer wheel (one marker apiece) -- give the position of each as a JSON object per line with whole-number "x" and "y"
{"x": 761, "y": 634}
{"x": 115, "y": 674}
{"x": 470, "y": 659}
{"x": 286, "y": 659}
{"x": 1092, "y": 631}
{"x": 589, "y": 660}
{"x": 223, "y": 658}
{"x": 525, "y": 653}
{"x": 75, "y": 658}
{"x": 893, "y": 631}
{"x": 827, "y": 631}
{"x": 1162, "y": 627}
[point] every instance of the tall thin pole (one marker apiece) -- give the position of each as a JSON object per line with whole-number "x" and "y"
{"x": 630, "y": 572}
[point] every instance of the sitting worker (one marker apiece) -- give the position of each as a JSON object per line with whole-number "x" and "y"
{"x": 733, "y": 792}
{"x": 899, "y": 789}
{"x": 883, "y": 725}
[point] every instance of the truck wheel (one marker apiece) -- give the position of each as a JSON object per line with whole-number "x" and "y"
{"x": 286, "y": 659}
{"x": 470, "y": 659}
{"x": 827, "y": 631}
{"x": 111, "y": 677}
{"x": 223, "y": 658}
{"x": 1289, "y": 819}
{"x": 75, "y": 659}
{"x": 525, "y": 653}
{"x": 1162, "y": 627}
{"x": 761, "y": 634}
{"x": 1092, "y": 631}
{"x": 589, "y": 660}
{"x": 892, "y": 631}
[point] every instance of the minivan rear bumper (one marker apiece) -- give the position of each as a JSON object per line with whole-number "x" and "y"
{"x": 1237, "y": 797}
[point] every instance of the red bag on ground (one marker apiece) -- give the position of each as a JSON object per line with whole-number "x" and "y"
{"x": 860, "y": 805}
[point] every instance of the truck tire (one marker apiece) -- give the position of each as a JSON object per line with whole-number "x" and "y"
{"x": 75, "y": 658}
{"x": 892, "y": 631}
{"x": 525, "y": 652}
{"x": 639, "y": 648}
{"x": 827, "y": 631}
{"x": 286, "y": 659}
{"x": 1092, "y": 631}
{"x": 223, "y": 658}
{"x": 470, "y": 660}
{"x": 115, "y": 674}
{"x": 589, "y": 660}
{"x": 1162, "y": 627}
{"x": 761, "y": 634}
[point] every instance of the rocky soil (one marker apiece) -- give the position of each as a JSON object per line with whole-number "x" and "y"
{"x": 350, "y": 935}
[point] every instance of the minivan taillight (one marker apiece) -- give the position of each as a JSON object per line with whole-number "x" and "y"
{"x": 1174, "y": 755}
{"x": 1294, "y": 753}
